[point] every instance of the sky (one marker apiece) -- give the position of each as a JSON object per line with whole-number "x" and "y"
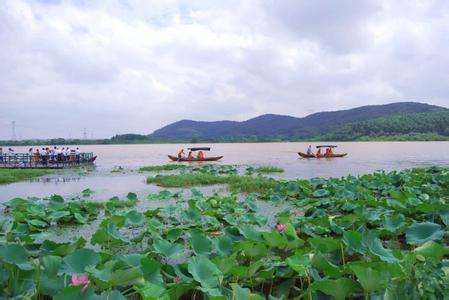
{"x": 116, "y": 66}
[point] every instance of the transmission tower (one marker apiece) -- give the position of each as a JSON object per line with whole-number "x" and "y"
{"x": 13, "y": 131}
{"x": 84, "y": 134}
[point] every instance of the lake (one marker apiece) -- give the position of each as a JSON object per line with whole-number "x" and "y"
{"x": 363, "y": 157}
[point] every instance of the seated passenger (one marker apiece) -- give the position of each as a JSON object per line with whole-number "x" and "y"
{"x": 200, "y": 155}
{"x": 190, "y": 156}
{"x": 318, "y": 153}
{"x": 181, "y": 154}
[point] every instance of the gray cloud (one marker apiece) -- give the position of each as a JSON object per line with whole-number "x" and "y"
{"x": 134, "y": 66}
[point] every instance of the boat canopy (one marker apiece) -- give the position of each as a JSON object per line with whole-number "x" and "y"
{"x": 326, "y": 146}
{"x": 199, "y": 148}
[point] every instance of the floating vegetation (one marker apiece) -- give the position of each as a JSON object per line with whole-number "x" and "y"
{"x": 14, "y": 175}
{"x": 382, "y": 235}
{"x": 236, "y": 183}
{"x": 268, "y": 169}
{"x": 166, "y": 167}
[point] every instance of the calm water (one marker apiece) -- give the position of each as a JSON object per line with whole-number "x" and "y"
{"x": 362, "y": 158}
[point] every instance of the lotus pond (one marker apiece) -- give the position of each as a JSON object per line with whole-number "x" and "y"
{"x": 377, "y": 236}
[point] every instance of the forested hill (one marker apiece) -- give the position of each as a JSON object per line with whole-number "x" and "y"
{"x": 416, "y": 126}
{"x": 324, "y": 125}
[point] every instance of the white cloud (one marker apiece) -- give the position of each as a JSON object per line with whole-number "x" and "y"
{"x": 134, "y": 66}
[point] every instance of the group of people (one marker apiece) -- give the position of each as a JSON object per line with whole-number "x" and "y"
{"x": 46, "y": 154}
{"x": 182, "y": 155}
{"x": 319, "y": 153}
{"x": 54, "y": 154}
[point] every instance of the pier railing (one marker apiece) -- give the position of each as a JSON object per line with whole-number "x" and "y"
{"x": 36, "y": 161}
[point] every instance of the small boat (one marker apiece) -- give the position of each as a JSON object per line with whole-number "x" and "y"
{"x": 305, "y": 155}
{"x": 211, "y": 158}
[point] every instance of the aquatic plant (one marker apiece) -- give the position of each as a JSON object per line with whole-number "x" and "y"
{"x": 166, "y": 167}
{"x": 268, "y": 169}
{"x": 382, "y": 235}
{"x": 14, "y": 175}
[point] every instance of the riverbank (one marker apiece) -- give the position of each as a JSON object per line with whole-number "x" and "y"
{"x": 374, "y": 235}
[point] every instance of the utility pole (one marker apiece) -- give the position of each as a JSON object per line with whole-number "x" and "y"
{"x": 84, "y": 134}
{"x": 13, "y": 131}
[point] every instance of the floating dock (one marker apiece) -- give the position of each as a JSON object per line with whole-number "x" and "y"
{"x": 32, "y": 161}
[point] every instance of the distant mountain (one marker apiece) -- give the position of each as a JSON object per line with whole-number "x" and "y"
{"x": 272, "y": 126}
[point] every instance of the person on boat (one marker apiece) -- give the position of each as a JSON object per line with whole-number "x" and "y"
{"x": 200, "y": 155}
{"x": 190, "y": 156}
{"x": 36, "y": 155}
{"x": 181, "y": 153}
{"x": 318, "y": 153}
{"x": 309, "y": 150}
{"x": 77, "y": 154}
{"x": 1, "y": 154}
{"x": 329, "y": 152}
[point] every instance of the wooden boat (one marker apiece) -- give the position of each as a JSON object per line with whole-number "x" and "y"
{"x": 212, "y": 158}
{"x": 305, "y": 155}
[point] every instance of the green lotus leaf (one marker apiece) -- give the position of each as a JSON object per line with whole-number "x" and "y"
{"x": 15, "y": 254}
{"x": 252, "y": 248}
{"x": 56, "y": 198}
{"x": 223, "y": 245}
{"x": 132, "y": 259}
{"x": 394, "y": 223}
{"x": 37, "y": 223}
{"x": 56, "y": 215}
{"x": 354, "y": 241}
{"x": 320, "y": 193}
{"x": 375, "y": 246}
{"x": 444, "y": 215}
{"x": 134, "y": 218}
{"x": 110, "y": 295}
{"x": 51, "y": 265}
{"x": 419, "y": 233}
{"x": 75, "y": 293}
{"x": 250, "y": 232}
{"x": 81, "y": 218}
{"x": 132, "y": 196}
{"x": 240, "y": 293}
{"x": 61, "y": 249}
{"x": 275, "y": 239}
{"x": 87, "y": 192}
{"x": 325, "y": 244}
{"x": 370, "y": 279}
{"x": 151, "y": 270}
{"x": 126, "y": 277}
{"x": 151, "y": 291}
{"x": 78, "y": 261}
{"x": 205, "y": 272}
{"x": 432, "y": 250}
{"x": 340, "y": 288}
{"x": 301, "y": 263}
{"x": 200, "y": 243}
{"x": 167, "y": 249}
{"x": 321, "y": 263}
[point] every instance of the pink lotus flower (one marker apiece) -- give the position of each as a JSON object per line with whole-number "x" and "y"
{"x": 78, "y": 280}
{"x": 280, "y": 227}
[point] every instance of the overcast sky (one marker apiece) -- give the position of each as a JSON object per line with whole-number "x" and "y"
{"x": 134, "y": 66}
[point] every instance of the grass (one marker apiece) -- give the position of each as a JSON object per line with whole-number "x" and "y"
{"x": 166, "y": 167}
{"x": 14, "y": 175}
{"x": 236, "y": 183}
{"x": 269, "y": 169}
